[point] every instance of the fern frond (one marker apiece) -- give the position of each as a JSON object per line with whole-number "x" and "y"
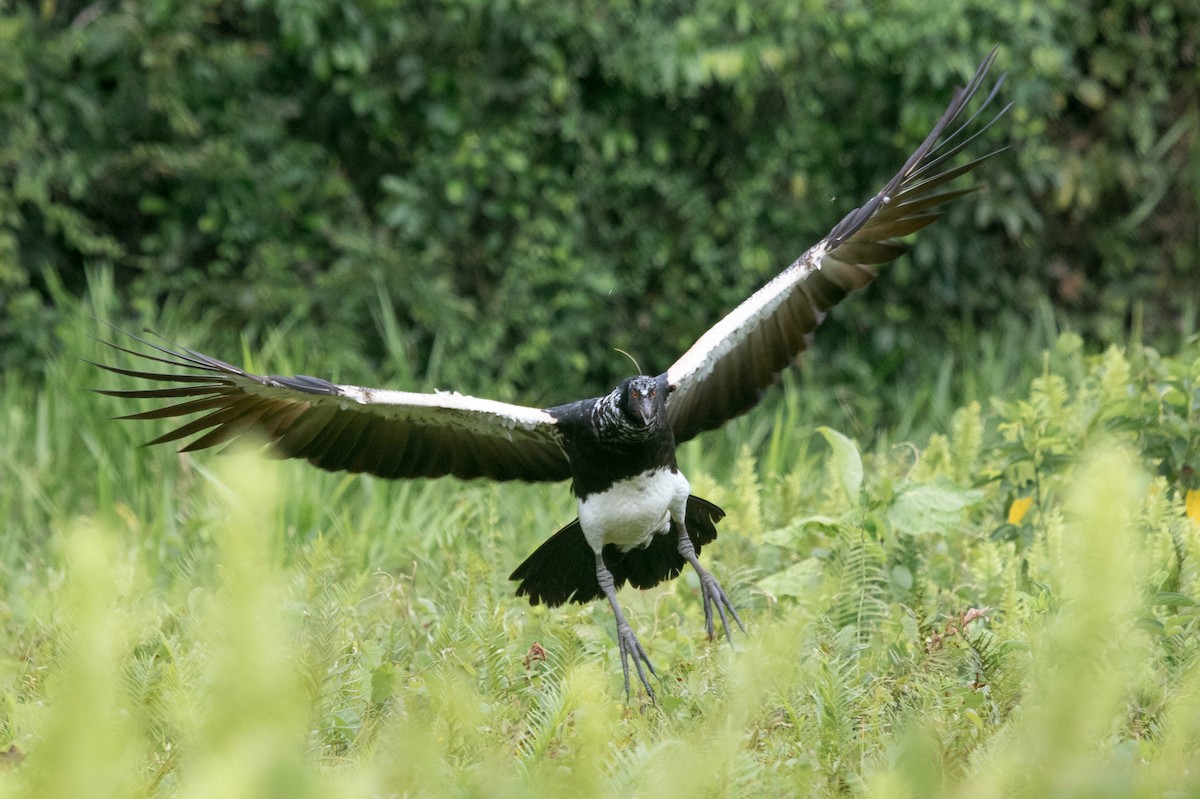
{"x": 966, "y": 441}
{"x": 858, "y": 571}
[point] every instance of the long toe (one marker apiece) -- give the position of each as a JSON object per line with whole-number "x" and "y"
{"x": 714, "y": 595}
{"x": 631, "y": 649}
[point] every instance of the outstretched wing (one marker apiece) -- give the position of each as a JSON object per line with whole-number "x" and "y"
{"x": 724, "y": 373}
{"x": 393, "y": 434}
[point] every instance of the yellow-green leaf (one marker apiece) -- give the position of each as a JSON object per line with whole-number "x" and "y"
{"x": 1017, "y": 510}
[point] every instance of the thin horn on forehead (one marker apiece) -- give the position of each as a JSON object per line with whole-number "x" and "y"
{"x": 637, "y": 366}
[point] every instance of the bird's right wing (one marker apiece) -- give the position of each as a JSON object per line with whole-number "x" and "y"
{"x": 393, "y": 434}
{"x": 724, "y": 373}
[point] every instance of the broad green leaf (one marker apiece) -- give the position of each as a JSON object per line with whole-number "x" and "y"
{"x": 796, "y": 580}
{"x": 790, "y": 535}
{"x": 1173, "y": 599}
{"x": 932, "y": 508}
{"x": 847, "y": 463}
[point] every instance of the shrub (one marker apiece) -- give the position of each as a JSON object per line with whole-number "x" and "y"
{"x": 523, "y": 187}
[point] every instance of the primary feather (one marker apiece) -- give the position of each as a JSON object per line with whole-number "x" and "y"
{"x": 724, "y": 373}
{"x": 390, "y": 434}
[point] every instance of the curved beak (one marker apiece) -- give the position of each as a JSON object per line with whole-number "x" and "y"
{"x": 644, "y": 409}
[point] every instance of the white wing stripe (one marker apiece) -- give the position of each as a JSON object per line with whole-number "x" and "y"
{"x": 514, "y": 415}
{"x": 701, "y": 358}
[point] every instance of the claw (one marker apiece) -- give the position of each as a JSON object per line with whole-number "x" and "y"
{"x": 713, "y": 594}
{"x": 710, "y": 589}
{"x": 631, "y": 647}
{"x": 627, "y": 641}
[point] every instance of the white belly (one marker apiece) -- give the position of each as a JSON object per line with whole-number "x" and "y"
{"x": 631, "y": 511}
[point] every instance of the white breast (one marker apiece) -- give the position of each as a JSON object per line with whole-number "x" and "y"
{"x": 633, "y": 510}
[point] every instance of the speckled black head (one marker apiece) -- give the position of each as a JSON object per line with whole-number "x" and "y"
{"x": 642, "y": 400}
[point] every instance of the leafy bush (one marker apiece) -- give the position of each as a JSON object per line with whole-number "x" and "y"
{"x": 526, "y": 186}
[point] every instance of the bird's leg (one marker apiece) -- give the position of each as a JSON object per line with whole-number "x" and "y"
{"x": 628, "y": 643}
{"x": 710, "y": 589}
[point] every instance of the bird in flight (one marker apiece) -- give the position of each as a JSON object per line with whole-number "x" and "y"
{"x": 638, "y": 522}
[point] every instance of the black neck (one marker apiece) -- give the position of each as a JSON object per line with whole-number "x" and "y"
{"x": 604, "y": 448}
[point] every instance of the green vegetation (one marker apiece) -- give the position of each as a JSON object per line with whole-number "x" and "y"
{"x": 527, "y": 185}
{"x": 1008, "y": 609}
{"x": 966, "y": 539}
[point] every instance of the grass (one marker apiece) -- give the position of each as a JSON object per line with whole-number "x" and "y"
{"x": 228, "y": 626}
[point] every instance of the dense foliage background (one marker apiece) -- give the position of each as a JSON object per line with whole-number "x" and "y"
{"x": 528, "y": 185}
{"x": 977, "y": 577}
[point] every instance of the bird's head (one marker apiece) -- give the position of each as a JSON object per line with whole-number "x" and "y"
{"x": 641, "y": 400}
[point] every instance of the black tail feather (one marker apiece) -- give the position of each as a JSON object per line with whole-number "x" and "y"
{"x": 564, "y": 568}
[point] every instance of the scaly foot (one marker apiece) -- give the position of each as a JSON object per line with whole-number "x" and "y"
{"x": 631, "y": 647}
{"x": 713, "y": 594}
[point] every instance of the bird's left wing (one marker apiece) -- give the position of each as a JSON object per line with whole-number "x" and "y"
{"x": 724, "y": 373}
{"x": 394, "y": 434}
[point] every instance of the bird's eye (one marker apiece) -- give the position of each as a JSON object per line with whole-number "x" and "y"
{"x": 652, "y": 392}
